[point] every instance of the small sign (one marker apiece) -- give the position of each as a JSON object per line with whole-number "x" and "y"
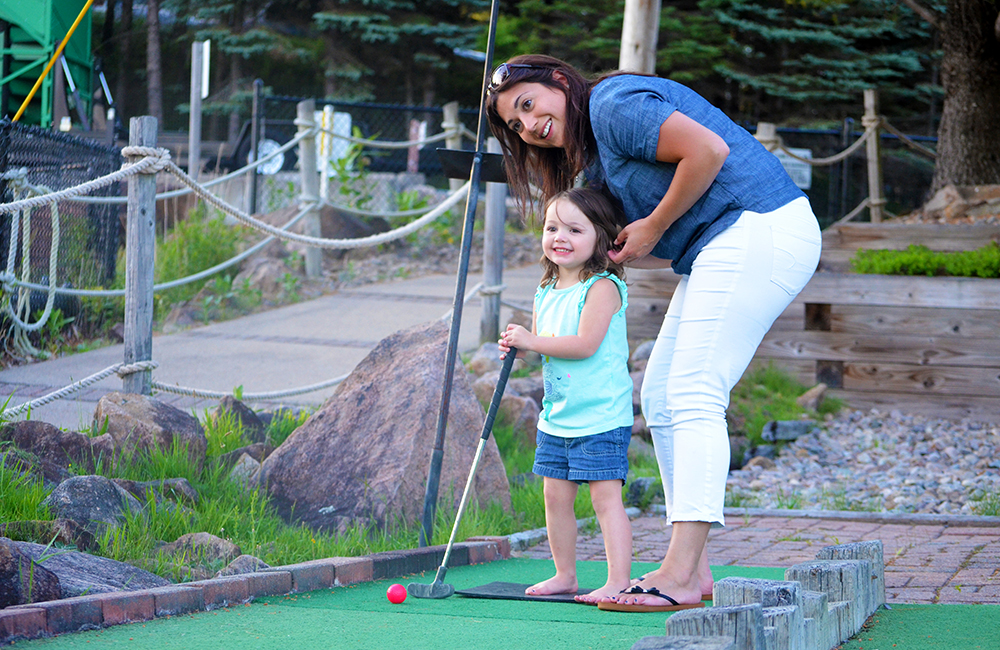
{"x": 801, "y": 172}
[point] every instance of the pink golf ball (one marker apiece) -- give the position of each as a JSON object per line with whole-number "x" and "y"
{"x": 396, "y": 594}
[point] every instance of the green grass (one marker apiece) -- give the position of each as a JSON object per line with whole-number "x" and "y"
{"x": 769, "y": 393}
{"x": 21, "y": 494}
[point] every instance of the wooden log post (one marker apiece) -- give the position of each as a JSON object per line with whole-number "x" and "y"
{"x": 140, "y": 240}
{"x": 873, "y": 149}
{"x": 493, "y": 231}
{"x": 640, "y": 26}
{"x": 450, "y": 122}
{"x": 194, "y": 117}
{"x": 310, "y": 185}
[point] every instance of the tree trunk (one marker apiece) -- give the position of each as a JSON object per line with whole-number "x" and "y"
{"x": 154, "y": 70}
{"x": 124, "y": 61}
{"x": 969, "y": 135}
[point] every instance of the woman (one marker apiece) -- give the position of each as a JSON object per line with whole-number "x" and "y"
{"x": 701, "y": 194}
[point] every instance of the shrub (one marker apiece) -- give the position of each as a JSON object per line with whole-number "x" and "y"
{"x": 919, "y": 260}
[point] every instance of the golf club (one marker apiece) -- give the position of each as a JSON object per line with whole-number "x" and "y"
{"x": 438, "y": 588}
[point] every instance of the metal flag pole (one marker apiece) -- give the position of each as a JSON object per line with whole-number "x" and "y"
{"x": 434, "y": 474}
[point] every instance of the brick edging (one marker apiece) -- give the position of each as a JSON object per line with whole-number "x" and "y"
{"x": 911, "y": 519}
{"x": 96, "y": 611}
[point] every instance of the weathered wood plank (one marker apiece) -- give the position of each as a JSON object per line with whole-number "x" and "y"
{"x": 860, "y": 319}
{"x": 897, "y": 348}
{"x": 922, "y": 380}
{"x": 948, "y": 407}
{"x": 902, "y": 291}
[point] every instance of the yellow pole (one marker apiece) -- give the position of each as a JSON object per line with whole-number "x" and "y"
{"x": 27, "y": 100}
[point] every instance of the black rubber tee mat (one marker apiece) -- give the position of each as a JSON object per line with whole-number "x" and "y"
{"x": 514, "y": 591}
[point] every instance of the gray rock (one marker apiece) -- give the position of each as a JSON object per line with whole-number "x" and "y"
{"x": 786, "y": 429}
{"x": 257, "y": 451}
{"x": 486, "y": 359}
{"x": 365, "y": 452}
{"x": 64, "y": 532}
{"x": 642, "y": 351}
{"x": 522, "y": 413}
{"x": 80, "y": 573}
{"x": 94, "y": 502}
{"x": 254, "y": 430}
{"x": 531, "y": 386}
{"x": 22, "y": 580}
{"x": 202, "y": 548}
{"x": 642, "y": 490}
{"x": 243, "y": 564}
{"x": 139, "y": 423}
{"x": 51, "y": 445}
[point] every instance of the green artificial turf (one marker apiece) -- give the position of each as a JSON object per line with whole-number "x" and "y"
{"x": 930, "y": 627}
{"x": 360, "y": 616}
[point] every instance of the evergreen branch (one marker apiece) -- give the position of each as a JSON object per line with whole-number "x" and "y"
{"x": 929, "y": 15}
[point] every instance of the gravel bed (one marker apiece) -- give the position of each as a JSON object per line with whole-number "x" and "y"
{"x": 880, "y": 462}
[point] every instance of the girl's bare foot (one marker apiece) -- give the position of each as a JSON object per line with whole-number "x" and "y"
{"x": 605, "y": 593}
{"x": 557, "y": 584}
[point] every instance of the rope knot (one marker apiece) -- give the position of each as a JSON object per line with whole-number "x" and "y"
{"x": 132, "y": 368}
{"x": 871, "y": 121}
{"x": 159, "y": 155}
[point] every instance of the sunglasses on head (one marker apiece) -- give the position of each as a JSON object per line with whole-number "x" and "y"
{"x": 502, "y": 72}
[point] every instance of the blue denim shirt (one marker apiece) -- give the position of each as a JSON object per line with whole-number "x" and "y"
{"x": 626, "y": 112}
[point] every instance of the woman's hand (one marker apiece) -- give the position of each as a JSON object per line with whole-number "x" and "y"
{"x": 636, "y": 240}
{"x": 515, "y": 336}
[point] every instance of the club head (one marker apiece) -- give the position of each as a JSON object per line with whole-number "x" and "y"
{"x": 435, "y": 590}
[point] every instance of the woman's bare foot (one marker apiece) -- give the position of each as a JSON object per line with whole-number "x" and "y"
{"x": 605, "y": 593}
{"x": 684, "y": 594}
{"x": 705, "y": 583}
{"x": 557, "y": 584}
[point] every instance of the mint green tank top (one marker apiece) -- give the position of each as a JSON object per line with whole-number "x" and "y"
{"x": 583, "y": 396}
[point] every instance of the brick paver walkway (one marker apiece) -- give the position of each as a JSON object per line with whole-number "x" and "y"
{"x": 926, "y": 562}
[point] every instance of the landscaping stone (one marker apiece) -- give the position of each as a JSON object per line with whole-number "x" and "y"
{"x": 363, "y": 456}
{"x": 94, "y": 502}
{"x": 81, "y": 573}
{"x": 139, "y": 423}
{"x": 22, "y": 580}
{"x": 254, "y": 430}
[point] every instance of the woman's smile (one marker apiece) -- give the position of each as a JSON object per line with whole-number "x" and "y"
{"x": 535, "y": 112}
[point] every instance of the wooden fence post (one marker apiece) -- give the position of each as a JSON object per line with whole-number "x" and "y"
{"x": 493, "y": 231}
{"x": 140, "y": 240}
{"x": 454, "y": 142}
{"x": 194, "y": 117}
{"x": 874, "y": 153}
{"x": 310, "y": 185}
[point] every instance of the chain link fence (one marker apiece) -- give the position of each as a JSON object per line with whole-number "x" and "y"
{"x": 89, "y": 234}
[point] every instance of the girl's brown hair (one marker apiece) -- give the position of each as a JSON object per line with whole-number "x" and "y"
{"x": 551, "y": 170}
{"x": 607, "y": 223}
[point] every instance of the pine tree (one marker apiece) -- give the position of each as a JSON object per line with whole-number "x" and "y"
{"x": 813, "y": 58}
{"x": 371, "y": 43}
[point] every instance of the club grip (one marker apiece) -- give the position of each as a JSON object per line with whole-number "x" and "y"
{"x": 491, "y": 413}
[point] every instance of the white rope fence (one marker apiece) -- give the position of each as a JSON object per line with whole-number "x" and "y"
{"x": 120, "y": 369}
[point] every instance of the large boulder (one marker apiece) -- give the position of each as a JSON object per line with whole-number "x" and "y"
{"x": 94, "y": 502}
{"x": 364, "y": 455}
{"x": 55, "y": 447}
{"x": 22, "y": 580}
{"x": 202, "y": 547}
{"x": 139, "y": 423}
{"x": 80, "y": 573}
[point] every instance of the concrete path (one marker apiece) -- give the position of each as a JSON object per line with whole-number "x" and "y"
{"x": 297, "y": 345}
{"x": 928, "y": 558}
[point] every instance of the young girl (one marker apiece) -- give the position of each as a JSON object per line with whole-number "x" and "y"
{"x": 586, "y": 421}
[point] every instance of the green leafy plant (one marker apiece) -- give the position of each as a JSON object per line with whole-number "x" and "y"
{"x": 919, "y": 260}
{"x": 768, "y": 393}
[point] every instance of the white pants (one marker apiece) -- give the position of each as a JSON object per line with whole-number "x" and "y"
{"x": 739, "y": 284}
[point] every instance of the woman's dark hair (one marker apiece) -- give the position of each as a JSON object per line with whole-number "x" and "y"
{"x": 551, "y": 170}
{"x": 607, "y": 222}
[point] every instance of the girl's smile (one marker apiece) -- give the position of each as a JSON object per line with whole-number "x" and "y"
{"x": 569, "y": 240}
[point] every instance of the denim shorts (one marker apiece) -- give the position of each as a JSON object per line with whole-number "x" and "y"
{"x": 597, "y": 457}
